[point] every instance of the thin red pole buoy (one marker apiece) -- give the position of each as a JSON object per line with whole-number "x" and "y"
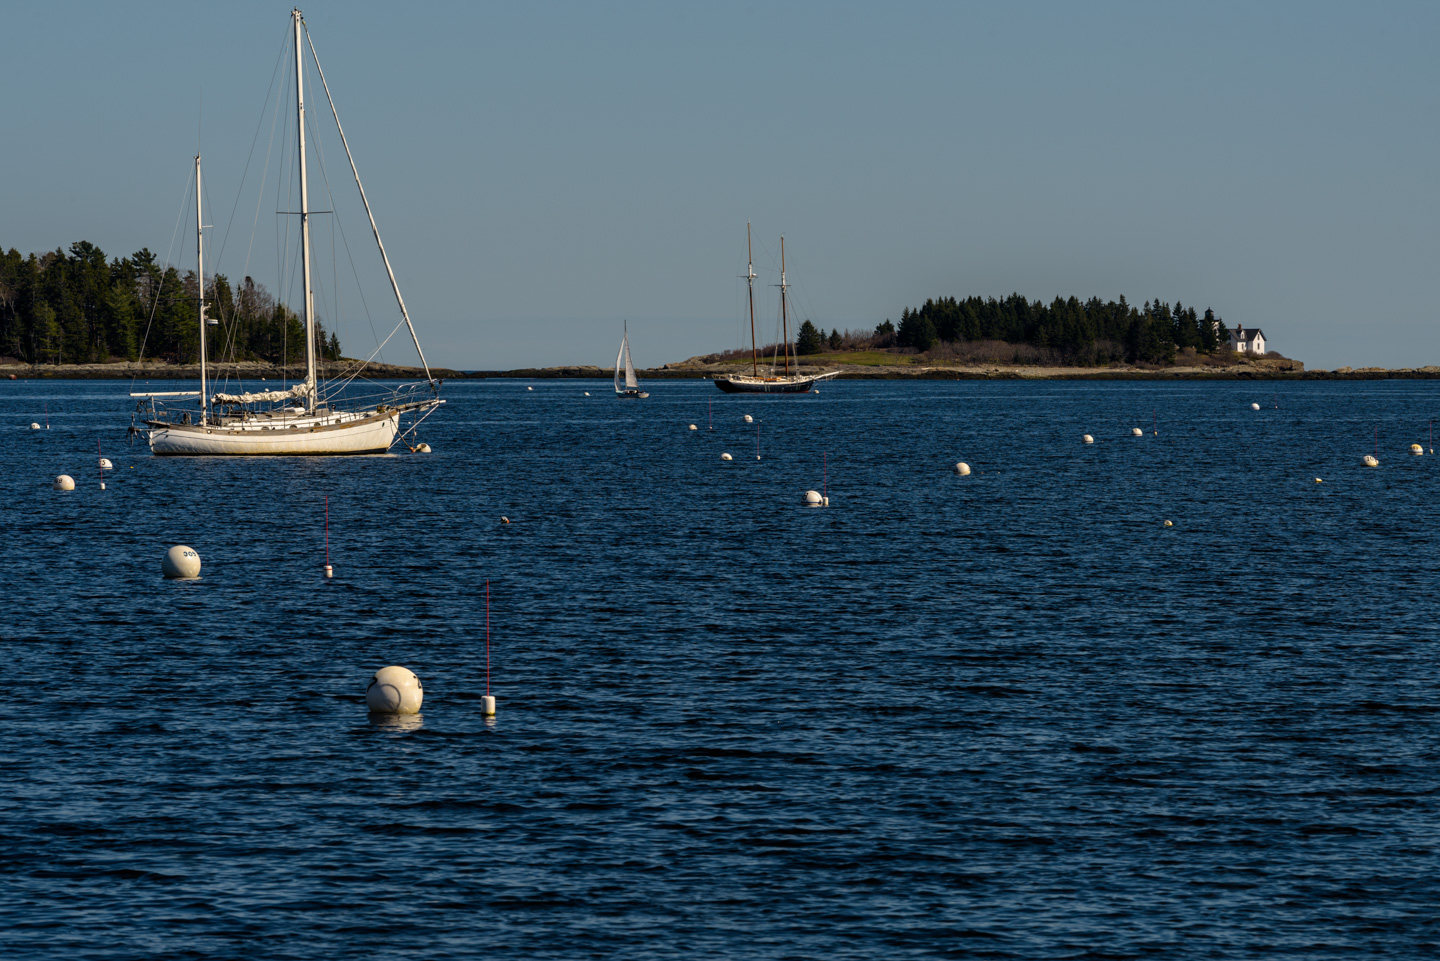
{"x": 329, "y": 571}
{"x": 825, "y": 475}
{"x": 712, "y": 413}
{"x": 487, "y": 637}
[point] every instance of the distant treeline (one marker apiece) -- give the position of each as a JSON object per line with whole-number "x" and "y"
{"x": 77, "y": 308}
{"x": 1069, "y": 331}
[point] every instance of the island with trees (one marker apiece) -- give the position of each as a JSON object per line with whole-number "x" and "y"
{"x": 77, "y": 307}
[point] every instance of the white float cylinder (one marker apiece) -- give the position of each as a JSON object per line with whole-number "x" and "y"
{"x": 180, "y": 563}
{"x": 813, "y": 498}
{"x": 487, "y": 705}
{"x": 64, "y": 483}
{"x": 962, "y": 468}
{"x": 329, "y": 571}
{"x": 1136, "y": 432}
{"x": 749, "y": 419}
{"x": 1087, "y": 439}
{"x": 726, "y": 457}
{"x": 1371, "y": 461}
{"x": 1254, "y": 406}
{"x": 394, "y": 690}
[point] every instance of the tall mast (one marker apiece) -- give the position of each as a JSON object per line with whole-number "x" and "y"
{"x": 750, "y": 254}
{"x": 784, "y": 324}
{"x": 200, "y": 284}
{"x": 310, "y": 388}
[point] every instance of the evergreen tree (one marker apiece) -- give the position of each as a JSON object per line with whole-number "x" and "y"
{"x": 835, "y": 340}
{"x": 809, "y": 340}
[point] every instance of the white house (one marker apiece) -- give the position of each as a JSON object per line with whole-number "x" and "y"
{"x": 1249, "y": 340}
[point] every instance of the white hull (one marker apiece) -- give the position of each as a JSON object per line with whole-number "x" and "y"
{"x": 313, "y": 436}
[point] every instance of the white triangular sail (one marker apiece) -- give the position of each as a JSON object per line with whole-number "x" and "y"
{"x": 622, "y": 362}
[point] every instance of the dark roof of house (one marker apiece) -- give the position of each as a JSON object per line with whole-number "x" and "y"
{"x": 1247, "y": 333}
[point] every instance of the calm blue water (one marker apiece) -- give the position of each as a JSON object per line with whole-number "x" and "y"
{"x": 1003, "y": 716}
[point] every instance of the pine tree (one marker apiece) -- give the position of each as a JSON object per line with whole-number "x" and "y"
{"x": 809, "y": 340}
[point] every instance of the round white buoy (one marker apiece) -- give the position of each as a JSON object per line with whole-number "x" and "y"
{"x": 749, "y": 419}
{"x": 814, "y": 392}
{"x": 529, "y": 388}
{"x": 1169, "y": 524}
{"x": 422, "y": 448}
{"x": 587, "y": 393}
{"x": 180, "y": 563}
{"x": 105, "y": 464}
{"x": 1371, "y": 461}
{"x": 64, "y": 483}
{"x": 1136, "y": 432}
{"x": 693, "y": 427}
{"x": 962, "y": 468}
{"x": 726, "y": 457}
{"x": 813, "y": 498}
{"x": 504, "y": 519}
{"x": 1254, "y": 406}
{"x": 1087, "y": 439}
{"x": 487, "y": 705}
{"x": 34, "y": 426}
{"x": 394, "y": 690}
{"x": 1417, "y": 449}
{"x": 1319, "y": 481}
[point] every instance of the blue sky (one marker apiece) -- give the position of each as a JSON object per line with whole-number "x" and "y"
{"x": 542, "y": 171}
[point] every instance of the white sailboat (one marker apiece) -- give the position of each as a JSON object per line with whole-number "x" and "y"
{"x": 773, "y": 383}
{"x": 309, "y": 418}
{"x": 622, "y": 363}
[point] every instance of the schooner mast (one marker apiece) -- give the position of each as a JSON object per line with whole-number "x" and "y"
{"x": 750, "y": 279}
{"x": 784, "y": 324}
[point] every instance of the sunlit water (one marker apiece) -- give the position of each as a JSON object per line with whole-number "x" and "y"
{"x": 1008, "y": 715}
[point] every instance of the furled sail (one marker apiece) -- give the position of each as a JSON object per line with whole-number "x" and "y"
{"x": 299, "y": 390}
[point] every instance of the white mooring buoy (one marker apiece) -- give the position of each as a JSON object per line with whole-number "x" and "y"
{"x": 1254, "y": 406}
{"x": 180, "y": 563}
{"x": 749, "y": 419}
{"x": 1371, "y": 460}
{"x": 1169, "y": 524}
{"x": 726, "y": 457}
{"x": 34, "y": 426}
{"x": 816, "y": 499}
{"x": 529, "y": 388}
{"x": 394, "y": 690}
{"x": 105, "y": 464}
{"x": 487, "y": 705}
{"x": 1136, "y": 432}
{"x": 1319, "y": 481}
{"x": 962, "y": 468}
{"x": 693, "y": 427}
{"x": 1087, "y": 439}
{"x": 504, "y": 519}
{"x": 1417, "y": 450}
{"x": 587, "y": 393}
{"x": 63, "y": 483}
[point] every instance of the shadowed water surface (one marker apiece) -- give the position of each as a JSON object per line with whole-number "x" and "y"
{"x": 1009, "y": 715}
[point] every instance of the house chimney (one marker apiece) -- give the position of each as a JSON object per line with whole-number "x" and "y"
{"x": 1239, "y": 330}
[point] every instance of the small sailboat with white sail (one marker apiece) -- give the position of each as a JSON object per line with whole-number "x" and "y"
{"x": 772, "y": 383}
{"x": 310, "y": 418}
{"x": 626, "y": 384}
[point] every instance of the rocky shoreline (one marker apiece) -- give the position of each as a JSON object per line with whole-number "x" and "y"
{"x": 696, "y": 369}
